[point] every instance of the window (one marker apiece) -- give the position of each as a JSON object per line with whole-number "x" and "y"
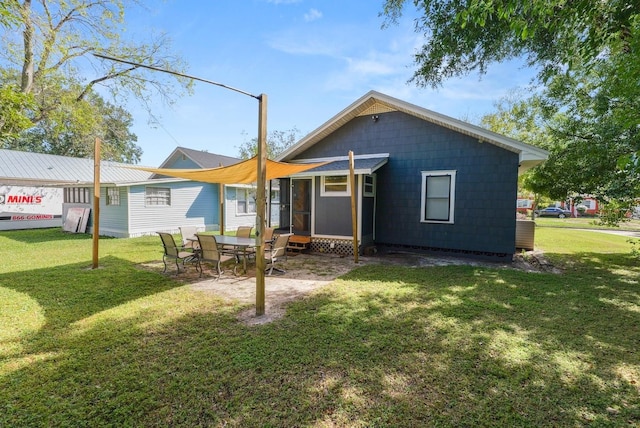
{"x": 157, "y": 196}
{"x": 589, "y": 203}
{"x": 335, "y": 185}
{"x": 77, "y": 195}
{"x": 438, "y": 196}
{"x": 246, "y": 201}
{"x": 113, "y": 196}
{"x": 524, "y": 203}
{"x": 369, "y": 185}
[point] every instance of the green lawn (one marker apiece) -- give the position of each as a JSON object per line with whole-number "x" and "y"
{"x": 394, "y": 346}
{"x": 585, "y": 222}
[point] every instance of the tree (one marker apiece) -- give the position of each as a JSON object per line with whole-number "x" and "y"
{"x": 555, "y": 35}
{"x": 7, "y": 18}
{"x": 584, "y": 149}
{"x": 71, "y": 126}
{"x": 277, "y": 142}
{"x": 54, "y": 54}
{"x": 13, "y": 105}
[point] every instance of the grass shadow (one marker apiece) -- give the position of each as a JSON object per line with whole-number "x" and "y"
{"x": 32, "y": 236}
{"x": 381, "y": 346}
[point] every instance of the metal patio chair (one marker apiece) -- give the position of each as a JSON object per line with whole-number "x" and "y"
{"x": 277, "y": 252}
{"x": 210, "y": 253}
{"x": 189, "y": 240}
{"x": 174, "y": 252}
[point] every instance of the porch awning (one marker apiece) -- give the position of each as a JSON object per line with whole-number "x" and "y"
{"x": 366, "y": 165}
{"x": 239, "y": 173}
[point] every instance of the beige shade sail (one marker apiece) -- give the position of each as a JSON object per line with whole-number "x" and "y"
{"x": 240, "y": 173}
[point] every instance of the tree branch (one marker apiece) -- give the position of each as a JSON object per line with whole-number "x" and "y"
{"x": 92, "y": 83}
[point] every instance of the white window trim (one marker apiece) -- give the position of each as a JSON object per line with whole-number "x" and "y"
{"x": 346, "y": 192}
{"x": 110, "y": 200}
{"x": 146, "y": 195}
{"x": 452, "y": 195}
{"x": 373, "y": 185}
{"x": 527, "y": 203}
{"x": 247, "y": 194}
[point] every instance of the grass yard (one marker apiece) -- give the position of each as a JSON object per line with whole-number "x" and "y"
{"x": 395, "y": 346}
{"x": 586, "y": 223}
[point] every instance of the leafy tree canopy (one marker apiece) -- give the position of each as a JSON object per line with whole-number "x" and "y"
{"x": 7, "y": 18}
{"x": 50, "y": 60}
{"x": 14, "y": 106}
{"x": 71, "y": 126}
{"x": 584, "y": 147}
{"x": 464, "y": 36}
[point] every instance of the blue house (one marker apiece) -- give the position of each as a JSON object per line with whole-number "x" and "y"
{"x": 424, "y": 181}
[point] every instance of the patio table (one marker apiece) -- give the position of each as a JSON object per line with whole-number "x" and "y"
{"x": 240, "y": 245}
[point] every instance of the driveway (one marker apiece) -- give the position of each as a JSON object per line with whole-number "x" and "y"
{"x": 629, "y": 233}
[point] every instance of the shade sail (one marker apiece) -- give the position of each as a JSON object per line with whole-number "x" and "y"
{"x": 239, "y": 173}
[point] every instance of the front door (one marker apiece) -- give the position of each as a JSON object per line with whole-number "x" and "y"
{"x": 301, "y": 206}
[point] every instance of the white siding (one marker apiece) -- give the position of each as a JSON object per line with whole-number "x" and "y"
{"x": 114, "y": 219}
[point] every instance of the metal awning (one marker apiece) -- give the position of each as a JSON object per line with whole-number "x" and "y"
{"x": 362, "y": 165}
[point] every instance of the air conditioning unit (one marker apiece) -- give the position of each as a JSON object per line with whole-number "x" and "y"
{"x": 525, "y": 233}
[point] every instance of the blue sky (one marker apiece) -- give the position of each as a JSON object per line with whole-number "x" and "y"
{"x": 312, "y": 58}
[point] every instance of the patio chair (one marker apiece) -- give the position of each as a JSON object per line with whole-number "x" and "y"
{"x": 209, "y": 252}
{"x": 244, "y": 231}
{"x": 174, "y": 252}
{"x": 268, "y": 237}
{"x": 189, "y": 239}
{"x": 277, "y": 252}
{"x": 241, "y": 232}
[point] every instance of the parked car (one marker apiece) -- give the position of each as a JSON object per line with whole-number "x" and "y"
{"x": 553, "y": 212}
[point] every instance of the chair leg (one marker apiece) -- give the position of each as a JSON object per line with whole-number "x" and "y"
{"x": 219, "y": 270}
{"x": 164, "y": 260}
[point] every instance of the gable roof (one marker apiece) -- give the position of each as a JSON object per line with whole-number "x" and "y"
{"x": 201, "y": 158}
{"x": 373, "y": 103}
{"x": 39, "y": 169}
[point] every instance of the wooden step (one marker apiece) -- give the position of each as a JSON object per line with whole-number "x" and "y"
{"x": 299, "y": 243}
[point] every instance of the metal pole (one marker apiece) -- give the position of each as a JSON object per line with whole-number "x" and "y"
{"x": 260, "y": 202}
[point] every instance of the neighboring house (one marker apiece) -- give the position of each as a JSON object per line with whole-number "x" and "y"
{"x": 424, "y": 181}
{"x": 240, "y": 199}
{"x": 132, "y": 202}
{"x": 591, "y": 206}
{"x": 524, "y": 205}
{"x": 46, "y": 176}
